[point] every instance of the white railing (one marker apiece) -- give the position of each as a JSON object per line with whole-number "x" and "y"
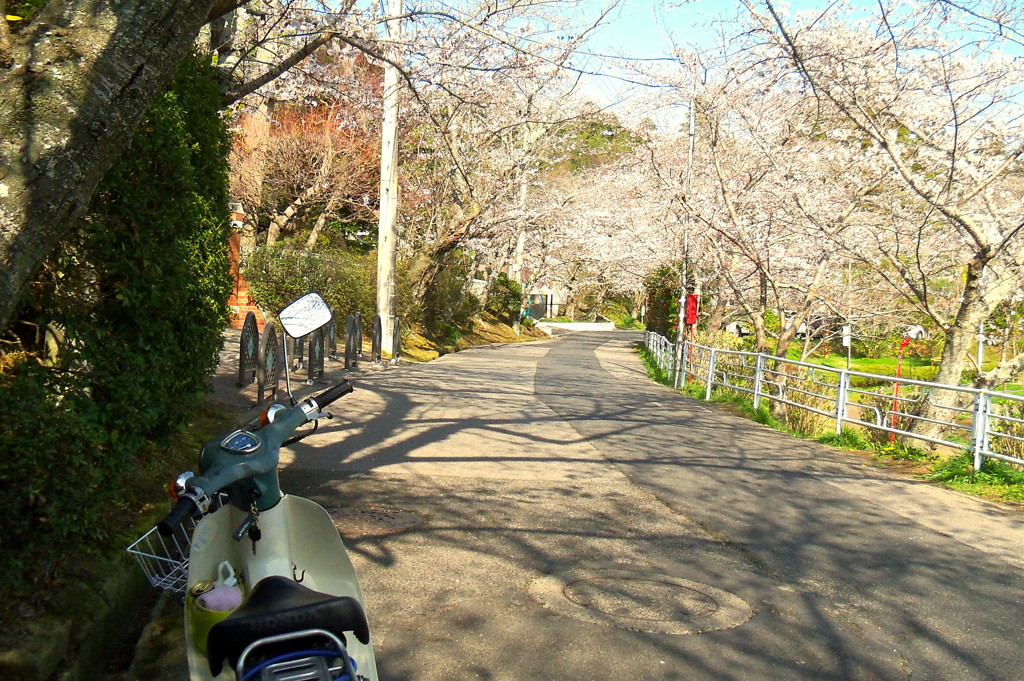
{"x": 985, "y": 422}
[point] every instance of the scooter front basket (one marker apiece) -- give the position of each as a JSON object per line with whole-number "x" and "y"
{"x": 164, "y": 560}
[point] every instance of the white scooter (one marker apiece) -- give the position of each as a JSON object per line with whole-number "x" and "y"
{"x": 301, "y": 613}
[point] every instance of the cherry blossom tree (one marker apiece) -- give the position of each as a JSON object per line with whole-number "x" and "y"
{"x": 944, "y": 114}
{"x": 78, "y": 75}
{"x": 599, "y": 230}
{"x": 472, "y": 164}
{"x": 770, "y": 183}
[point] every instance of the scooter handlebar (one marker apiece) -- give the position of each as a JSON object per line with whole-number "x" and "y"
{"x": 332, "y": 394}
{"x": 185, "y": 508}
{"x": 225, "y": 467}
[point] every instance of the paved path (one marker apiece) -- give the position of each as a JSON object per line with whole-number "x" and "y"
{"x": 581, "y": 522}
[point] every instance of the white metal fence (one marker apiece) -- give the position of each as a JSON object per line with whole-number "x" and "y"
{"x": 985, "y": 422}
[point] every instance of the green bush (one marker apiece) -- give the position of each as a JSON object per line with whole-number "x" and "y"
{"x": 48, "y": 472}
{"x": 278, "y": 274}
{"x": 620, "y": 311}
{"x": 505, "y": 298}
{"x": 139, "y": 293}
{"x": 663, "y": 292}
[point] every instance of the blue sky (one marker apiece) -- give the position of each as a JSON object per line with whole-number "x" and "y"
{"x": 646, "y": 29}
{"x": 641, "y": 28}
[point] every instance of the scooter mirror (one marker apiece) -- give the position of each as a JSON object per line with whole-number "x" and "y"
{"x": 305, "y": 315}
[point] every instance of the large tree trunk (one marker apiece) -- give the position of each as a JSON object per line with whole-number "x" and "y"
{"x": 73, "y": 85}
{"x": 718, "y": 309}
{"x": 428, "y": 268}
{"x": 960, "y": 340}
{"x": 282, "y": 219}
{"x": 791, "y": 326}
{"x": 787, "y": 334}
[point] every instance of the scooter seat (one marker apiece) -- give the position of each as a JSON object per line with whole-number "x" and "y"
{"x": 279, "y": 605}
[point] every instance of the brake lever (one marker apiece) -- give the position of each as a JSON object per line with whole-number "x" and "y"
{"x": 296, "y": 438}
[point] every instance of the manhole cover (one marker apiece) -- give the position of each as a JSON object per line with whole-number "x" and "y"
{"x": 640, "y": 598}
{"x": 640, "y": 601}
{"x": 360, "y": 522}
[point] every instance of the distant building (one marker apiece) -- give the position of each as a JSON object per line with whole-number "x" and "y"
{"x": 545, "y": 302}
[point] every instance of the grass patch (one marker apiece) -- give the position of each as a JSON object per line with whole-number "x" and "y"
{"x": 848, "y": 438}
{"x": 745, "y": 405}
{"x": 694, "y": 390}
{"x": 996, "y": 479}
{"x": 904, "y": 452}
{"x": 654, "y": 372}
{"x": 419, "y": 346}
{"x": 915, "y": 368}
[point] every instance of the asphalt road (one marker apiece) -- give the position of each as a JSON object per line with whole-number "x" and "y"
{"x": 578, "y": 521}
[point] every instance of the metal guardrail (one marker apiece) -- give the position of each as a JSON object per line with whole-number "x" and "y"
{"x": 988, "y": 423}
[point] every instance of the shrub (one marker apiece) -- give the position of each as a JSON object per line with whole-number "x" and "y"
{"x": 278, "y": 274}
{"x": 722, "y": 340}
{"x": 138, "y": 291}
{"x": 505, "y": 298}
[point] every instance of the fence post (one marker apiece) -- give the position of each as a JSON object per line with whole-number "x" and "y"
{"x": 758, "y": 380}
{"x": 351, "y": 338}
{"x": 359, "y": 333}
{"x": 981, "y": 406}
{"x": 677, "y": 354}
{"x": 331, "y": 349}
{"x": 711, "y": 374}
{"x": 842, "y": 397}
{"x": 976, "y": 430}
{"x": 377, "y": 340}
{"x": 317, "y": 346}
{"x": 268, "y": 368}
{"x": 685, "y": 363}
{"x": 396, "y": 341}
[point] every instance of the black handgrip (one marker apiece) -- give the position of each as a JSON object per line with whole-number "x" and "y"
{"x": 331, "y": 394}
{"x": 185, "y": 508}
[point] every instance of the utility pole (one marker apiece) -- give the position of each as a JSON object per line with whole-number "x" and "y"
{"x": 533, "y": 133}
{"x": 680, "y": 332}
{"x": 387, "y": 228}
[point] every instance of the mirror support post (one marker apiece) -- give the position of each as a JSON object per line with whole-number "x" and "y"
{"x": 287, "y": 372}
{"x": 299, "y": 318}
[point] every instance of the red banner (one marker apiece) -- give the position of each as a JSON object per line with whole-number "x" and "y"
{"x": 691, "y": 308}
